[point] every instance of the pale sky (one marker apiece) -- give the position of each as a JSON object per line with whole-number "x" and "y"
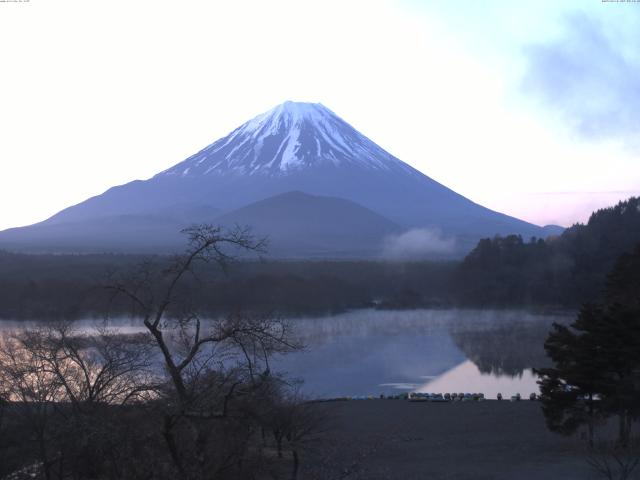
{"x": 527, "y": 107}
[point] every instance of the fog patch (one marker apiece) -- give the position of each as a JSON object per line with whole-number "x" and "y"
{"x": 418, "y": 243}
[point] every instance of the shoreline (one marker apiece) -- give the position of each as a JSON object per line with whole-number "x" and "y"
{"x": 123, "y": 319}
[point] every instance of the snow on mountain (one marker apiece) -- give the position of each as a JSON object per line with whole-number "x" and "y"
{"x": 289, "y": 137}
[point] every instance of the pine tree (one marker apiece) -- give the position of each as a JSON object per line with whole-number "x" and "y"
{"x": 570, "y": 391}
{"x": 597, "y": 359}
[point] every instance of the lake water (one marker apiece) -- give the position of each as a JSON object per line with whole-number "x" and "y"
{"x": 369, "y": 352}
{"x": 373, "y": 352}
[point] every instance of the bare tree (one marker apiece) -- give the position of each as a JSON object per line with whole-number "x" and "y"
{"x": 295, "y": 423}
{"x": 95, "y": 367}
{"x": 613, "y": 461}
{"x": 62, "y": 384}
{"x": 5, "y": 434}
{"x": 218, "y": 369}
{"x": 27, "y": 382}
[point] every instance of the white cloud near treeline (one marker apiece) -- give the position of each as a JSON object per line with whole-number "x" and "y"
{"x": 417, "y": 243}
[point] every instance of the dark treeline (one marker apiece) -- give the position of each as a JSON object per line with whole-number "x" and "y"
{"x": 55, "y": 286}
{"x": 69, "y": 286}
{"x": 500, "y": 272}
{"x": 559, "y": 271}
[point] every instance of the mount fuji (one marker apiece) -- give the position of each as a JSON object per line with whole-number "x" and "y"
{"x": 299, "y": 174}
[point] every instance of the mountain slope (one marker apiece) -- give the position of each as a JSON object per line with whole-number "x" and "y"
{"x": 302, "y": 225}
{"x": 296, "y": 147}
{"x": 156, "y": 231}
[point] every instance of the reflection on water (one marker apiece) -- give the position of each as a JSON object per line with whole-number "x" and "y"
{"x": 467, "y": 378}
{"x": 370, "y": 352}
{"x": 506, "y": 349}
{"x": 123, "y": 325}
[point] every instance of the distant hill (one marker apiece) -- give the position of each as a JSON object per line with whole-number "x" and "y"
{"x": 301, "y": 225}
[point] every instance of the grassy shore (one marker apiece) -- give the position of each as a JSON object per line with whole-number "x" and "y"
{"x": 395, "y": 439}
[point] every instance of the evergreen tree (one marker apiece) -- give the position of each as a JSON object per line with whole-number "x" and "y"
{"x": 597, "y": 359}
{"x": 570, "y": 390}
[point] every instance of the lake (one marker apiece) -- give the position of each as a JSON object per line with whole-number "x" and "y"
{"x": 373, "y": 352}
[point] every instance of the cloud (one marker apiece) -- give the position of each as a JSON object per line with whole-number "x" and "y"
{"x": 419, "y": 243}
{"x": 590, "y": 76}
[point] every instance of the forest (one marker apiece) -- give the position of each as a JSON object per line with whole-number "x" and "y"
{"x": 558, "y": 271}
{"x": 501, "y": 272}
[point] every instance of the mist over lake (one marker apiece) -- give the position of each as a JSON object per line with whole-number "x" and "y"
{"x": 373, "y": 352}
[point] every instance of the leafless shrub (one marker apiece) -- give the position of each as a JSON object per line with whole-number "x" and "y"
{"x": 61, "y": 385}
{"x": 613, "y": 461}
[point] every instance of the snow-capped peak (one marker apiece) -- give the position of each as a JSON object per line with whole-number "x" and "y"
{"x": 287, "y": 138}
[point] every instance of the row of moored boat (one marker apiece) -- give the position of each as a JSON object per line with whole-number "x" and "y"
{"x": 435, "y": 397}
